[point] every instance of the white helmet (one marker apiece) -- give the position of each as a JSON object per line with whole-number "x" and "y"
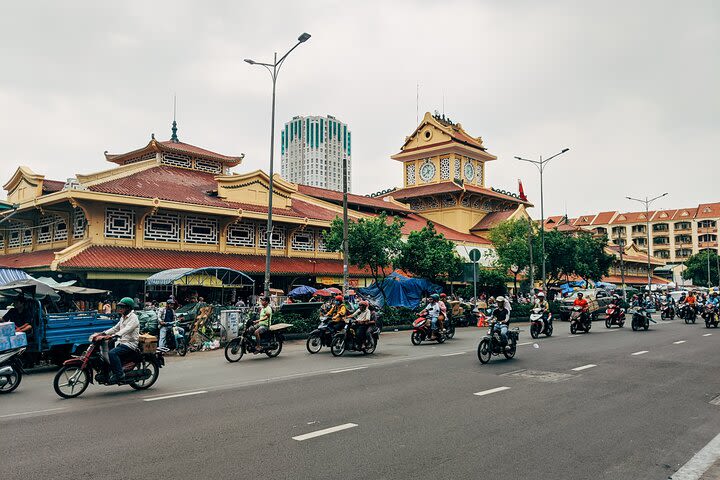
{"x": 541, "y": 294}
{"x": 500, "y": 299}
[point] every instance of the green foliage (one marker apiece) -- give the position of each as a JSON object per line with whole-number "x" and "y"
{"x": 559, "y": 255}
{"x": 427, "y": 254}
{"x": 697, "y": 268}
{"x": 591, "y": 261}
{"x": 510, "y": 239}
{"x": 300, "y": 324}
{"x": 491, "y": 281}
{"x": 394, "y": 316}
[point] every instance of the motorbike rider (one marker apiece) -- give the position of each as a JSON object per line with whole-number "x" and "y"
{"x": 581, "y": 302}
{"x": 444, "y": 311}
{"x": 362, "y": 316}
{"x": 337, "y": 314}
{"x": 544, "y": 306}
{"x": 433, "y": 310}
{"x": 501, "y": 315}
{"x": 262, "y": 324}
{"x": 691, "y": 301}
{"x": 127, "y": 331}
{"x": 165, "y": 324}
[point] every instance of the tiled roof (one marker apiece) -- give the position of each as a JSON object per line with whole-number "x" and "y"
{"x": 334, "y": 196}
{"x": 492, "y": 219}
{"x": 708, "y": 210}
{"x": 666, "y": 215}
{"x": 51, "y": 186}
{"x": 415, "y": 222}
{"x": 447, "y": 187}
{"x": 40, "y": 258}
{"x": 632, "y": 217}
{"x": 148, "y": 260}
{"x": 603, "y": 218}
{"x": 634, "y": 280}
{"x": 192, "y": 149}
{"x": 584, "y": 220}
{"x": 190, "y": 186}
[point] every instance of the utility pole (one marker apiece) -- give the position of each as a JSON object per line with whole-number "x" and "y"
{"x": 530, "y": 247}
{"x": 647, "y": 203}
{"x": 622, "y": 266}
{"x": 345, "y": 227}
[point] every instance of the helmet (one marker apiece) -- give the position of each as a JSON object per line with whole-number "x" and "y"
{"x": 500, "y": 299}
{"x": 541, "y": 294}
{"x": 128, "y": 302}
{"x": 580, "y": 294}
{"x": 435, "y": 296}
{"x": 442, "y": 295}
{"x": 339, "y": 298}
{"x": 364, "y": 303}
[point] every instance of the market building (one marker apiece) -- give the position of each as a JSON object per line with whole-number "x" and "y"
{"x": 170, "y": 204}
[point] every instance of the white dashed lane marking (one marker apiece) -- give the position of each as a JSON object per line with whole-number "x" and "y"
{"x": 492, "y": 390}
{"x": 326, "y": 431}
{"x": 348, "y": 370}
{"x": 174, "y": 396}
{"x": 641, "y": 352}
{"x": 678, "y": 342}
{"x": 707, "y": 334}
{"x": 584, "y": 367}
{"x": 452, "y": 354}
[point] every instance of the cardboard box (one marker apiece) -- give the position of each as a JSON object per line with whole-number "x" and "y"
{"x": 148, "y": 343}
{"x": 4, "y": 343}
{"x": 7, "y": 329}
{"x": 18, "y": 340}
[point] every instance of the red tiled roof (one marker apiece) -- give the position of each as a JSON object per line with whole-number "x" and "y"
{"x": 40, "y": 258}
{"x": 51, "y": 186}
{"x": 661, "y": 215}
{"x": 148, "y": 259}
{"x": 447, "y": 187}
{"x": 634, "y": 280}
{"x": 187, "y": 148}
{"x": 190, "y": 186}
{"x": 415, "y": 222}
{"x": 492, "y": 219}
{"x": 708, "y": 210}
{"x": 632, "y": 217}
{"x": 603, "y": 218}
{"x": 584, "y": 220}
{"x": 337, "y": 197}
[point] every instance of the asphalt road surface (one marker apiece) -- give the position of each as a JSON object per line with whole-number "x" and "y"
{"x": 611, "y": 404}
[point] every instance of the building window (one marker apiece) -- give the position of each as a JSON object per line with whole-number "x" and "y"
{"x": 662, "y": 254}
{"x": 46, "y": 228}
{"x": 444, "y": 169}
{"x": 683, "y": 239}
{"x": 683, "y": 226}
{"x": 119, "y": 223}
{"x": 209, "y": 166}
{"x": 61, "y": 229}
{"x": 303, "y": 241}
{"x": 661, "y": 227}
{"x": 277, "y": 237}
{"x": 449, "y": 201}
{"x": 410, "y": 173}
{"x": 683, "y": 252}
{"x": 177, "y": 160}
{"x": 241, "y": 235}
{"x": 15, "y": 232}
{"x": 640, "y": 241}
{"x": 707, "y": 224}
{"x": 201, "y": 230}
{"x": 618, "y": 232}
{"x": 708, "y": 237}
{"x": 79, "y": 222}
{"x": 661, "y": 241}
{"x": 601, "y": 231}
{"x": 638, "y": 229}
{"x": 163, "y": 227}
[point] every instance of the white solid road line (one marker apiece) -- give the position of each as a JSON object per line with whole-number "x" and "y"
{"x": 31, "y": 413}
{"x": 524, "y": 343}
{"x": 700, "y": 463}
{"x": 452, "y": 354}
{"x": 707, "y": 334}
{"x": 584, "y": 367}
{"x": 348, "y": 370}
{"x": 641, "y": 352}
{"x": 174, "y": 396}
{"x": 678, "y": 342}
{"x": 326, "y": 431}
{"x": 492, "y": 390}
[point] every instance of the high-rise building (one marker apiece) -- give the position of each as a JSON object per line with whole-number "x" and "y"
{"x": 312, "y": 152}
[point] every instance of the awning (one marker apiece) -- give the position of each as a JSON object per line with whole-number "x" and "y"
{"x": 201, "y": 277}
{"x": 8, "y": 275}
{"x": 31, "y": 286}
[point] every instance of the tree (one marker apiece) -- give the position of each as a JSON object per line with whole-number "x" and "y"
{"x": 559, "y": 255}
{"x": 373, "y": 243}
{"x": 697, "y": 268}
{"x": 591, "y": 261}
{"x": 510, "y": 239}
{"x": 430, "y": 255}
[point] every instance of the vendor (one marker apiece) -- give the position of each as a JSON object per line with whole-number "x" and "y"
{"x": 20, "y": 316}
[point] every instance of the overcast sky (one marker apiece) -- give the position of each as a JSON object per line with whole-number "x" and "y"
{"x": 632, "y": 87}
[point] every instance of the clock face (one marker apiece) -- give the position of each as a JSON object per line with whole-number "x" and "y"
{"x": 427, "y": 171}
{"x": 469, "y": 171}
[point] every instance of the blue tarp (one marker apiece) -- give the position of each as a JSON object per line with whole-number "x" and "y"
{"x": 401, "y": 291}
{"x": 8, "y": 275}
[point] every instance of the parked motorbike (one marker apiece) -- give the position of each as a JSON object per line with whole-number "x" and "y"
{"x": 537, "y": 325}
{"x": 320, "y": 337}
{"x": 11, "y": 370}
{"x": 640, "y": 319}
{"x": 667, "y": 311}
{"x": 492, "y": 343}
{"x": 710, "y": 315}
{"x": 422, "y": 330}
{"x": 175, "y": 339}
{"x": 141, "y": 371}
{"x": 346, "y": 339}
{"x": 688, "y": 313}
{"x": 271, "y": 342}
{"x": 615, "y": 316}
{"x": 579, "y": 320}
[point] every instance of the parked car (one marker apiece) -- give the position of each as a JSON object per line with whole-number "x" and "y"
{"x": 598, "y": 301}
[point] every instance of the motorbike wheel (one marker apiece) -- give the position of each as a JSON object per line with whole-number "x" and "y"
{"x": 370, "y": 347}
{"x": 587, "y": 327}
{"x": 573, "y": 328}
{"x": 182, "y": 348}
{"x": 234, "y": 350}
{"x": 707, "y": 323}
{"x": 13, "y": 381}
{"x": 646, "y": 325}
{"x": 608, "y": 323}
{"x": 484, "y": 351}
{"x": 510, "y": 353}
{"x": 687, "y": 320}
{"x": 440, "y": 337}
{"x": 71, "y": 381}
{"x": 313, "y": 344}
{"x": 549, "y": 330}
{"x": 150, "y": 364}
{"x": 274, "y": 353}
{"x": 634, "y": 326}
{"x": 416, "y": 338}
{"x": 450, "y": 333}
{"x": 663, "y": 316}
{"x": 337, "y": 347}
{"x": 534, "y": 330}
{"x": 693, "y": 320}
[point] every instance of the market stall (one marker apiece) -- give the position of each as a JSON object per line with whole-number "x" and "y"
{"x": 222, "y": 278}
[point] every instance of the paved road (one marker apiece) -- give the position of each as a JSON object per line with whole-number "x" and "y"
{"x": 580, "y": 407}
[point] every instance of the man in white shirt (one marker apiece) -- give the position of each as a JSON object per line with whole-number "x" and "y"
{"x": 127, "y": 330}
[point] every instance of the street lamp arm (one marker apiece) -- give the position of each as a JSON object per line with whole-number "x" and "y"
{"x": 537, "y": 164}
{"x": 557, "y": 154}
{"x": 659, "y": 196}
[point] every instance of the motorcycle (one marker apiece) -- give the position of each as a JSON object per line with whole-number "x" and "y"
{"x": 76, "y": 374}
{"x": 175, "y": 339}
{"x": 492, "y": 343}
{"x": 346, "y": 339}
{"x": 667, "y": 311}
{"x": 11, "y": 370}
{"x": 640, "y": 319}
{"x": 710, "y": 315}
{"x": 537, "y": 325}
{"x": 615, "y": 316}
{"x": 688, "y": 313}
{"x": 422, "y": 330}
{"x": 320, "y": 337}
{"x": 579, "y": 320}
{"x": 270, "y": 344}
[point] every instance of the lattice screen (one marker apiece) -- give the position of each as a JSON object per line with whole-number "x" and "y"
{"x": 79, "y": 223}
{"x": 432, "y": 202}
{"x": 147, "y": 156}
{"x": 321, "y": 242}
{"x": 303, "y": 241}
{"x": 61, "y": 229}
{"x": 278, "y": 237}
{"x": 201, "y": 230}
{"x": 448, "y": 201}
{"x": 163, "y": 227}
{"x": 480, "y": 175}
{"x": 27, "y": 237}
{"x": 15, "y": 231}
{"x": 210, "y": 166}
{"x": 241, "y": 234}
{"x": 457, "y": 169}
{"x": 177, "y": 160}
{"x": 119, "y": 223}
{"x": 410, "y": 173}
{"x": 444, "y": 168}
{"x": 45, "y": 228}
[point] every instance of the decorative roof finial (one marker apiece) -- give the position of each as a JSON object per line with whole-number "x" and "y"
{"x": 174, "y": 137}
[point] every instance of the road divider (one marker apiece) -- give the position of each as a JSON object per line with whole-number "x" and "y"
{"x": 166, "y": 397}
{"x": 584, "y": 367}
{"x": 492, "y": 390}
{"x": 326, "y": 431}
{"x": 641, "y": 352}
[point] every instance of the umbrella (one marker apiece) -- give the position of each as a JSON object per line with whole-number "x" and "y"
{"x": 302, "y": 290}
{"x": 323, "y": 293}
{"x": 334, "y": 291}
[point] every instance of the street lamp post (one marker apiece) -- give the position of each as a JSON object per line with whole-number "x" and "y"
{"x": 647, "y": 203}
{"x": 274, "y": 69}
{"x": 540, "y": 164}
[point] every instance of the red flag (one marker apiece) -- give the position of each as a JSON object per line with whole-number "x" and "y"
{"x": 522, "y": 192}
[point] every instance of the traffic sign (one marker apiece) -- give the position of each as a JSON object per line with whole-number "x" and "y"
{"x": 474, "y": 255}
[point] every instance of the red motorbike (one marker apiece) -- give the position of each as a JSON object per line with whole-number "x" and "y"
{"x": 422, "y": 330}
{"x": 615, "y": 316}
{"x": 76, "y": 374}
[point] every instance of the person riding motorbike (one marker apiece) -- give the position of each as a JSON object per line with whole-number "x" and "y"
{"x": 714, "y": 299}
{"x": 262, "y": 324}
{"x": 165, "y": 324}
{"x": 582, "y": 303}
{"x": 127, "y": 331}
{"x": 444, "y": 311}
{"x": 337, "y": 314}
{"x": 501, "y": 315}
{"x": 544, "y": 306}
{"x": 362, "y": 316}
{"x": 434, "y": 311}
